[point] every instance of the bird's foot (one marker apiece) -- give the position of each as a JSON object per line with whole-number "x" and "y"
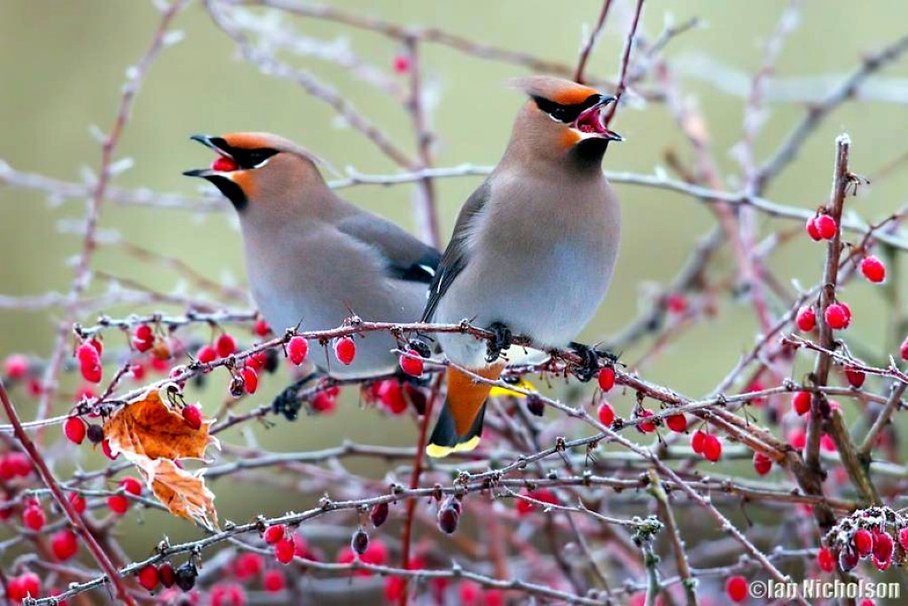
{"x": 590, "y": 365}
{"x": 500, "y": 341}
{"x": 288, "y": 402}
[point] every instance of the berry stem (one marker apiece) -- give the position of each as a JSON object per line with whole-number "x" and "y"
{"x": 414, "y": 483}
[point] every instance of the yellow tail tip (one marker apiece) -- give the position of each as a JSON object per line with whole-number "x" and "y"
{"x": 436, "y": 451}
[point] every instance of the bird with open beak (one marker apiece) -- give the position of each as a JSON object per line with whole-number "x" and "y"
{"x": 533, "y": 249}
{"x": 313, "y": 259}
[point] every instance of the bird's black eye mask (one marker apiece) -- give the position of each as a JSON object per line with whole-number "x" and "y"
{"x": 567, "y": 114}
{"x": 244, "y": 158}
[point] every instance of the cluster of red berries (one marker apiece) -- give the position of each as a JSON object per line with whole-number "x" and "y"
{"x": 224, "y": 345}
{"x": 822, "y": 227}
{"x": 286, "y": 545}
{"x": 151, "y": 575}
{"x": 14, "y": 465}
{"x": 119, "y": 503}
{"x": 707, "y": 445}
{"x": 26, "y": 585}
{"x": 875, "y": 544}
{"x": 89, "y": 356}
{"x": 143, "y": 338}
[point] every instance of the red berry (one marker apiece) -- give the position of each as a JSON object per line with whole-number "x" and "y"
{"x": 797, "y": 438}
{"x": 854, "y": 376}
{"x": 883, "y": 546}
{"x": 77, "y": 501}
{"x": 863, "y": 542}
{"x": 411, "y": 363}
{"x": 606, "y": 378}
{"x": 676, "y": 303}
{"x": 697, "y": 441}
{"x": 137, "y": 371}
{"x": 806, "y": 319}
{"x": 225, "y": 345}
{"x": 143, "y": 338}
{"x": 87, "y": 355}
{"x": 606, "y": 414}
{"x": 345, "y": 350}
{"x": 250, "y": 379}
{"x": 401, "y": 64}
{"x": 379, "y": 514}
{"x": 228, "y": 595}
{"x": 15, "y": 366}
{"x": 284, "y": 551}
{"x": 131, "y": 486}
{"x": 192, "y": 414}
{"x": 676, "y": 422}
{"x": 736, "y": 588}
{"x": 274, "y": 581}
{"x": 223, "y": 164}
{"x": 836, "y": 317}
{"x": 207, "y": 354}
{"x": 74, "y": 429}
{"x": 391, "y": 396}
{"x": 33, "y": 517}
{"x": 826, "y": 227}
{"x": 149, "y": 577}
{"x": 903, "y": 349}
{"x": 645, "y": 426}
{"x": 248, "y": 566}
{"x": 91, "y": 372}
{"x": 873, "y": 269}
{"x": 812, "y": 230}
{"x": 64, "y": 544}
{"x": 261, "y": 328}
{"x": 712, "y": 448}
{"x": 827, "y": 443}
{"x": 167, "y": 575}
{"x": 903, "y": 538}
{"x": 825, "y": 559}
{"x": 118, "y": 504}
{"x": 324, "y": 402}
{"x": 801, "y": 402}
{"x": 19, "y": 464}
{"x": 297, "y": 350}
{"x": 273, "y": 534}
{"x": 762, "y": 463}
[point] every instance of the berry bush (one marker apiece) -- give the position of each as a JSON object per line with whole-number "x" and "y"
{"x": 614, "y": 488}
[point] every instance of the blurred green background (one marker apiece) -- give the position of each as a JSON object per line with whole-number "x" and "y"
{"x": 62, "y": 65}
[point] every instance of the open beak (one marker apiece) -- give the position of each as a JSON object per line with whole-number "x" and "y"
{"x": 591, "y": 123}
{"x": 222, "y": 165}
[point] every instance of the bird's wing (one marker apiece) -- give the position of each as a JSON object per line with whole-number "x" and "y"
{"x": 456, "y": 254}
{"x": 406, "y": 257}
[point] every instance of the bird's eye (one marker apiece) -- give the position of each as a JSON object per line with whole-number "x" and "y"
{"x": 560, "y": 113}
{"x": 252, "y": 158}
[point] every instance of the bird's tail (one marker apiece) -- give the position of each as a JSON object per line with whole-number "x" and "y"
{"x": 459, "y": 426}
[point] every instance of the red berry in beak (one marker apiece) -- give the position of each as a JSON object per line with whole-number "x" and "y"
{"x": 223, "y": 164}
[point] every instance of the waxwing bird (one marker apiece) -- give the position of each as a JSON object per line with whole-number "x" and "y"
{"x": 533, "y": 249}
{"x": 313, "y": 259}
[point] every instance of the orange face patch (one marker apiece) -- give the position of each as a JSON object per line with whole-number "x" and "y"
{"x": 245, "y": 140}
{"x": 570, "y": 138}
{"x": 246, "y": 181}
{"x": 574, "y": 94}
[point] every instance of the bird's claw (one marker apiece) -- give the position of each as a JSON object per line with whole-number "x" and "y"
{"x": 288, "y": 402}
{"x": 590, "y": 365}
{"x": 500, "y": 341}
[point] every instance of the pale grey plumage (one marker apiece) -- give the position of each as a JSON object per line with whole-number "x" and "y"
{"x": 314, "y": 259}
